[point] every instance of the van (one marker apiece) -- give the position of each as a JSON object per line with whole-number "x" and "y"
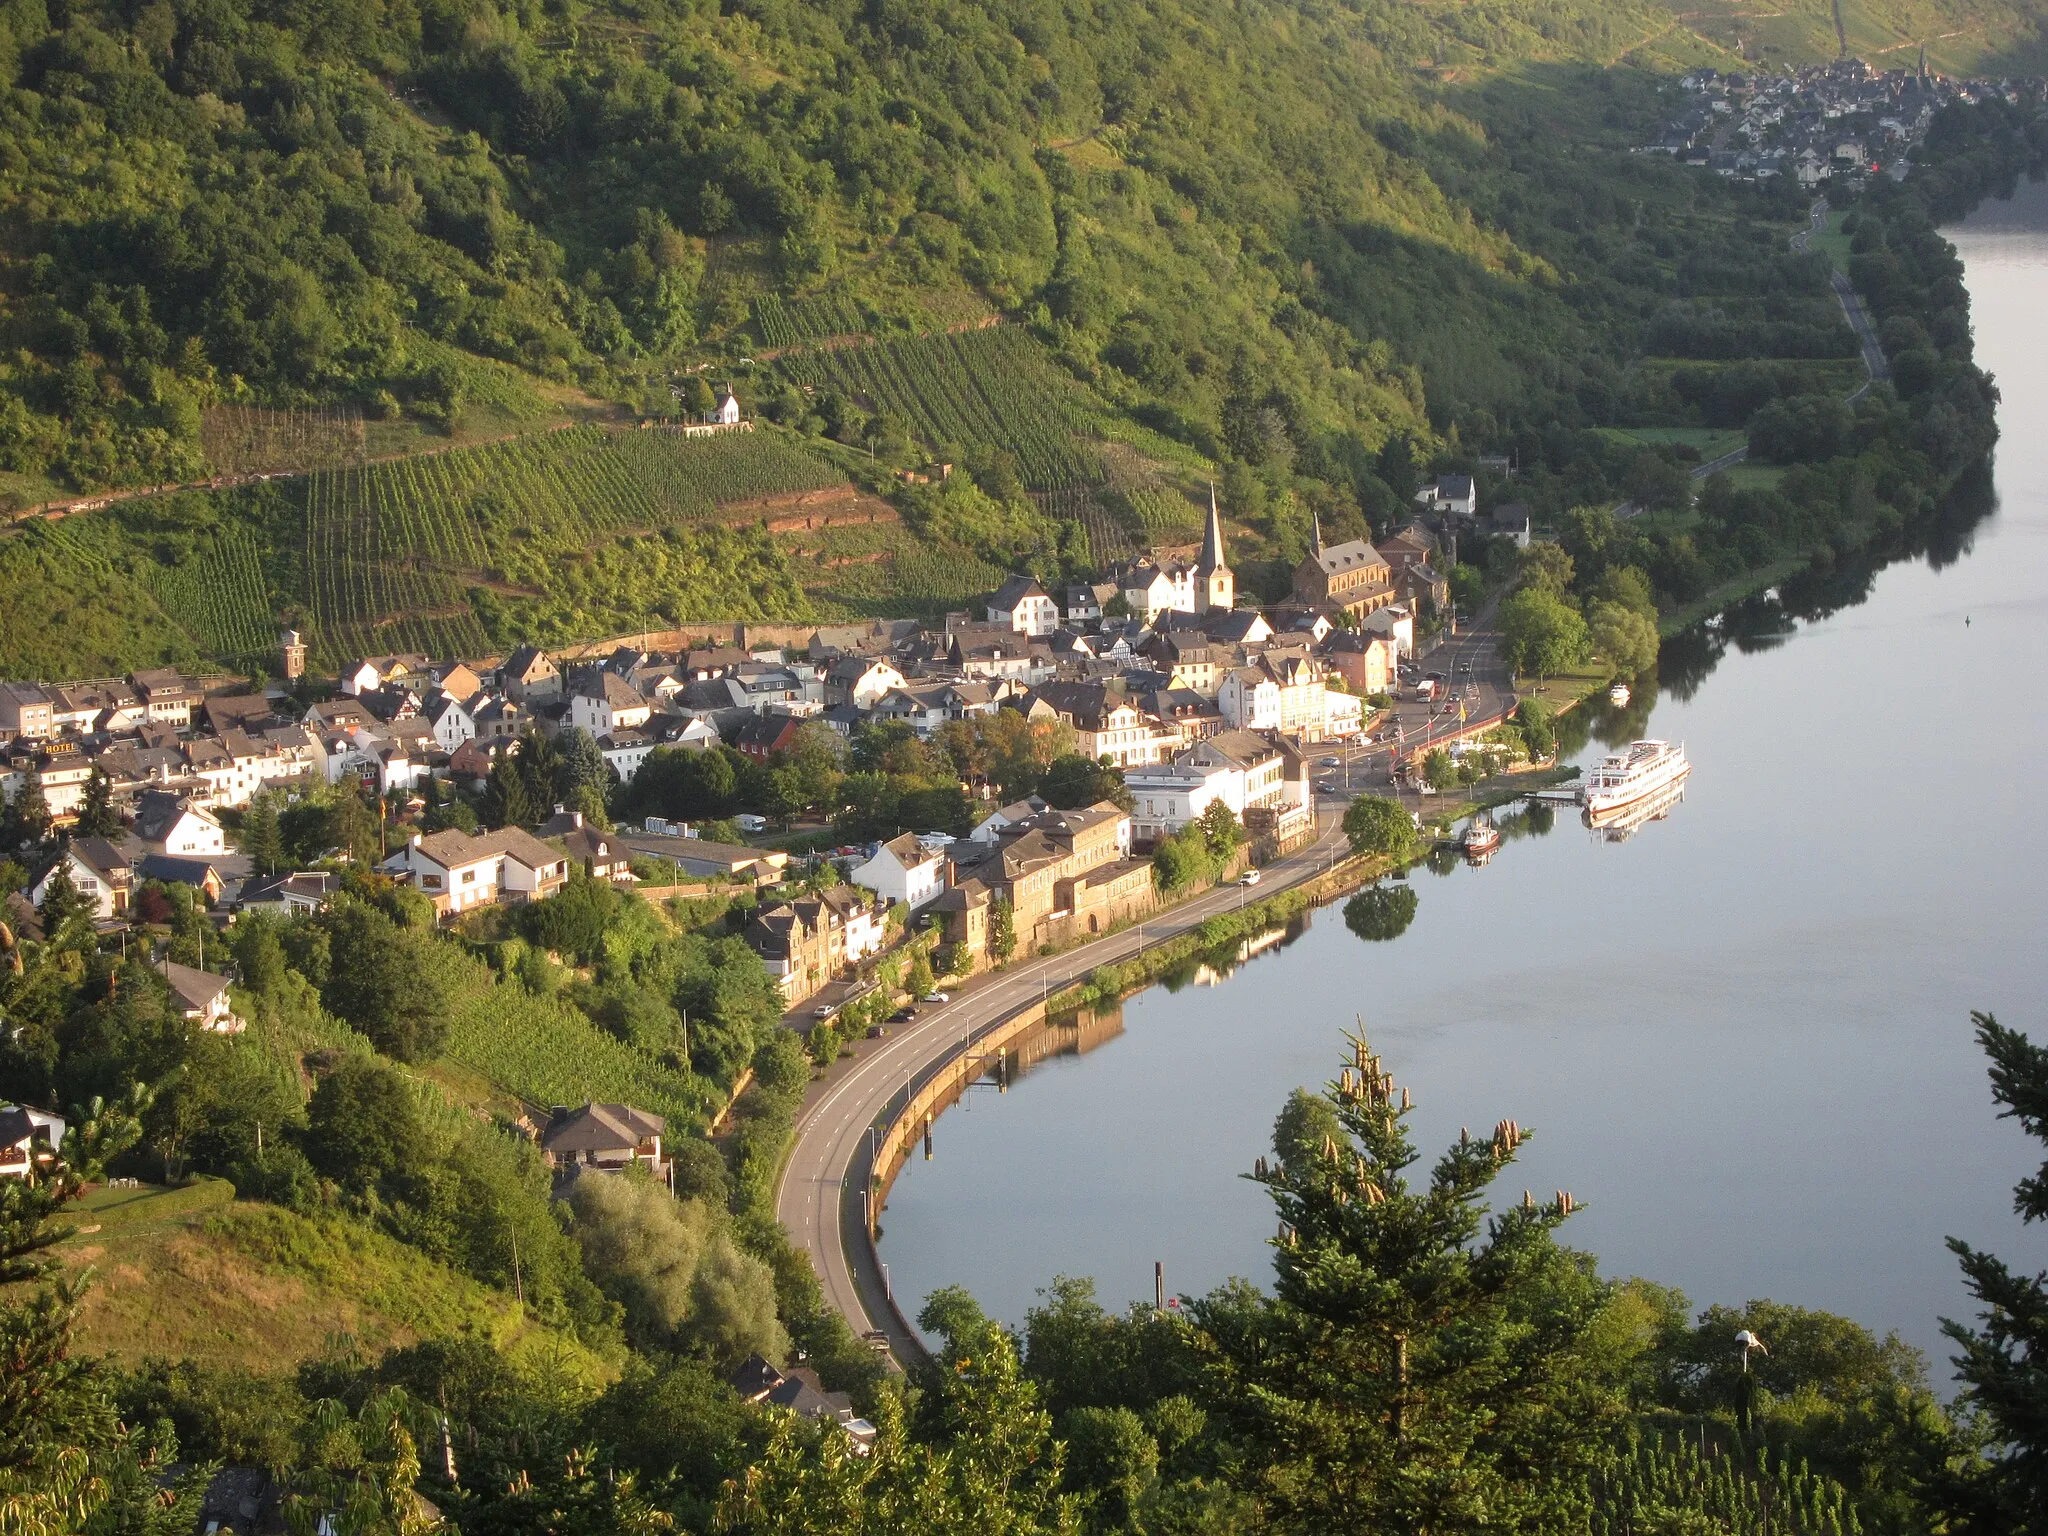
{"x": 750, "y": 824}
{"x": 1426, "y": 689}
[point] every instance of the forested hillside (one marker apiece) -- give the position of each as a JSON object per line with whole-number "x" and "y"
{"x": 1094, "y": 255}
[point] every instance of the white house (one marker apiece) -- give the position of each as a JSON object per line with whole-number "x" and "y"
{"x": 625, "y": 751}
{"x": 903, "y": 870}
{"x": 860, "y": 680}
{"x": 451, "y": 720}
{"x": 1167, "y": 796}
{"x": 1397, "y": 623}
{"x": 1249, "y": 700}
{"x": 728, "y": 412}
{"x": 458, "y": 871}
{"x": 202, "y": 999}
{"x": 170, "y": 823}
{"x": 1024, "y": 606}
{"x": 363, "y": 677}
{"x": 1450, "y": 493}
{"x": 98, "y": 873}
{"x": 606, "y": 703}
{"x": 29, "y": 1139}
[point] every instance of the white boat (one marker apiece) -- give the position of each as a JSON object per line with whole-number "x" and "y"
{"x": 1623, "y": 778}
{"x": 1481, "y": 836}
{"x": 1619, "y": 825}
{"x": 1618, "y": 695}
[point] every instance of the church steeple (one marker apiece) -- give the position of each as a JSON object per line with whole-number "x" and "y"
{"x": 1315, "y": 517}
{"x": 1216, "y": 586}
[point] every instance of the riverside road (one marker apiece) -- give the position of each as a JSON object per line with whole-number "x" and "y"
{"x": 823, "y": 1191}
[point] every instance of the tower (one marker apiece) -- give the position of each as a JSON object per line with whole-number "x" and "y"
{"x": 292, "y": 649}
{"x": 1215, "y": 587}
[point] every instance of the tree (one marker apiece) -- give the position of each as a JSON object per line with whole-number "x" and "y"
{"x": 64, "y": 906}
{"x": 362, "y": 1126}
{"x": 506, "y": 800}
{"x": 1545, "y": 568}
{"x": 351, "y": 827}
{"x": 1627, "y": 638}
{"x": 1002, "y": 929}
{"x": 2004, "y": 1361}
{"x": 1072, "y": 781}
{"x": 540, "y": 768}
{"x": 1415, "y": 1369}
{"x": 672, "y": 1264}
{"x": 582, "y": 766}
{"x": 1222, "y": 835}
{"x": 1381, "y": 912}
{"x": 381, "y": 981}
{"x": 96, "y": 816}
{"x": 29, "y": 813}
{"x": 919, "y": 980}
{"x": 1539, "y": 736}
{"x": 1541, "y": 633}
{"x": 1379, "y": 826}
{"x": 262, "y": 840}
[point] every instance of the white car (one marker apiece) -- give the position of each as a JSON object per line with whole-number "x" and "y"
{"x": 937, "y": 997}
{"x": 1333, "y": 762}
{"x": 1249, "y": 877}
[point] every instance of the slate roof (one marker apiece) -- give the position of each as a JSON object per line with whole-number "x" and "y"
{"x": 601, "y": 1128}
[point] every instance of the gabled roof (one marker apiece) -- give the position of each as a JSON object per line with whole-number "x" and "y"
{"x": 157, "y": 811}
{"x": 1348, "y": 556}
{"x": 194, "y": 988}
{"x": 100, "y": 856}
{"x": 453, "y": 848}
{"x": 527, "y": 663}
{"x": 1014, "y": 591}
{"x": 601, "y": 1128}
{"x": 909, "y": 852}
{"x": 170, "y": 870}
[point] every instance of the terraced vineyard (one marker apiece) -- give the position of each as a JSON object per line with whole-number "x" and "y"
{"x": 783, "y": 322}
{"x": 992, "y": 387}
{"x": 391, "y": 553}
{"x": 220, "y": 598}
{"x": 882, "y": 569}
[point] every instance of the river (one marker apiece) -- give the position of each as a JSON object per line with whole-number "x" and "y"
{"x": 1742, "y": 1037}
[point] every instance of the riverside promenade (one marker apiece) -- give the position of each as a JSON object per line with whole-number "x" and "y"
{"x": 836, "y": 1172}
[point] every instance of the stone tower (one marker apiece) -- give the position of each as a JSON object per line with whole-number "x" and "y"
{"x": 291, "y": 648}
{"x": 1215, "y": 587}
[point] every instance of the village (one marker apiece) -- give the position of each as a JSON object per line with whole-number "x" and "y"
{"x": 1184, "y": 700}
{"x": 1842, "y": 120}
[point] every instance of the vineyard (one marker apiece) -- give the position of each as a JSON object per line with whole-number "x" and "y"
{"x": 994, "y": 388}
{"x": 549, "y": 1053}
{"x": 219, "y": 597}
{"x": 391, "y": 552}
{"x": 882, "y": 569}
{"x": 786, "y": 323}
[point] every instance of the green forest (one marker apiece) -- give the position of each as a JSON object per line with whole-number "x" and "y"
{"x": 1092, "y": 256}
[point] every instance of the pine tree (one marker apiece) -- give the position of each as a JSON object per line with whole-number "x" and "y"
{"x": 1420, "y": 1365}
{"x": 582, "y": 766}
{"x": 30, "y": 812}
{"x": 506, "y": 802}
{"x": 262, "y": 839}
{"x": 96, "y": 816}
{"x": 540, "y": 765}
{"x": 2004, "y": 1364}
{"x": 63, "y": 904}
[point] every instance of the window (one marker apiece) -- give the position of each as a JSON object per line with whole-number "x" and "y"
{"x": 469, "y": 877}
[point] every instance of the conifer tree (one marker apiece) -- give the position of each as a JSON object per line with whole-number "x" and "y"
{"x": 96, "y": 816}
{"x": 29, "y": 815}
{"x": 1420, "y": 1367}
{"x": 506, "y": 802}
{"x": 262, "y": 839}
{"x": 2004, "y": 1363}
{"x": 63, "y": 904}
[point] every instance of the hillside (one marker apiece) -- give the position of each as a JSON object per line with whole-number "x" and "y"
{"x": 235, "y": 1283}
{"x": 1095, "y": 258}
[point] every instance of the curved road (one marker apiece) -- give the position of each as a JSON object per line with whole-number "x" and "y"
{"x": 824, "y": 1182}
{"x": 821, "y": 1196}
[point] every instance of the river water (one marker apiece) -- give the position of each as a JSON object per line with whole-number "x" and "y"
{"x": 1742, "y": 1036}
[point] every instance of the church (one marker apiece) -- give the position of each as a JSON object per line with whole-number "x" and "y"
{"x": 1352, "y": 576}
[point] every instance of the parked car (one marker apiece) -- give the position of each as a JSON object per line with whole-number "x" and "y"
{"x": 876, "y": 1031}
{"x": 1333, "y": 762}
{"x": 904, "y": 1014}
{"x": 824, "y": 1010}
{"x": 938, "y": 997}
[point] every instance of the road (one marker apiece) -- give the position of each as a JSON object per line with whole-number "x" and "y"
{"x": 1874, "y": 364}
{"x": 822, "y": 1194}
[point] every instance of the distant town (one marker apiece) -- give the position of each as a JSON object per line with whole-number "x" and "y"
{"x": 1845, "y": 120}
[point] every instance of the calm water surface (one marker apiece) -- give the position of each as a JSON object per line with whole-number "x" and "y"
{"x": 1742, "y": 1036}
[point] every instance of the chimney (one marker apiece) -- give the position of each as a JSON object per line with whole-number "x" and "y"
{"x": 576, "y": 817}
{"x": 415, "y": 839}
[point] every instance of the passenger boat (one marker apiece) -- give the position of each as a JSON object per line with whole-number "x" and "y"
{"x": 1623, "y": 778}
{"x": 1618, "y": 826}
{"x": 1618, "y": 695}
{"x": 1481, "y": 836}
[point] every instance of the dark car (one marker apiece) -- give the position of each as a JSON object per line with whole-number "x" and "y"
{"x": 904, "y": 1014}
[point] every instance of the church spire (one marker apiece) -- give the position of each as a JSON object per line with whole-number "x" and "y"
{"x": 1315, "y": 517}
{"x": 1212, "y": 539}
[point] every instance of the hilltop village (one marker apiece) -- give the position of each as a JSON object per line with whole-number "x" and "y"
{"x": 1126, "y": 709}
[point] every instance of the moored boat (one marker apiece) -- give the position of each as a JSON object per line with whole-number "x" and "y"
{"x": 1618, "y": 695}
{"x": 1481, "y": 836}
{"x": 1643, "y": 770}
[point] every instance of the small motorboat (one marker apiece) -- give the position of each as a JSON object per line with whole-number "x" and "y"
{"x": 1618, "y": 695}
{"x": 1481, "y": 837}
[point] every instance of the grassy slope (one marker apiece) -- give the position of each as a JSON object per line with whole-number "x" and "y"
{"x": 1990, "y": 36}
{"x": 250, "y": 1283}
